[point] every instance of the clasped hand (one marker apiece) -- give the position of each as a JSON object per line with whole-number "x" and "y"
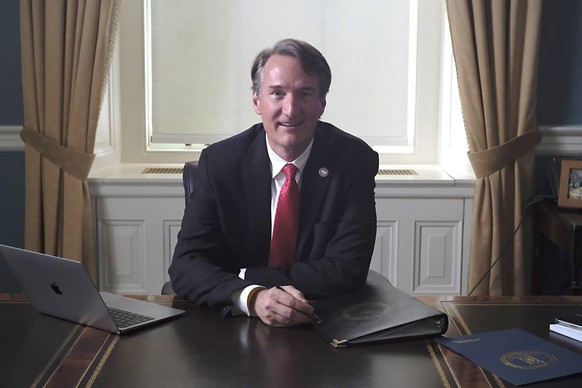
{"x": 281, "y": 307}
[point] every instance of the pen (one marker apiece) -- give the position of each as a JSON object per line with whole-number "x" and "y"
{"x": 313, "y": 316}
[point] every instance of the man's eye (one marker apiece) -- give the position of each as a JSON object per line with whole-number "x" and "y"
{"x": 277, "y": 93}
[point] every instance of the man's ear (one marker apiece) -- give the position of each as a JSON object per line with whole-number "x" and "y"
{"x": 322, "y": 107}
{"x": 256, "y": 103}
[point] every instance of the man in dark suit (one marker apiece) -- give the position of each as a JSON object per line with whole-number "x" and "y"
{"x": 222, "y": 255}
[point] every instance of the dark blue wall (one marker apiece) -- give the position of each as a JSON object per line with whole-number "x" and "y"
{"x": 11, "y": 211}
{"x": 12, "y": 162}
{"x": 10, "y": 76}
{"x": 560, "y": 66}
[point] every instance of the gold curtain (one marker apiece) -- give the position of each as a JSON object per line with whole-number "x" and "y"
{"x": 495, "y": 45}
{"x": 66, "y": 49}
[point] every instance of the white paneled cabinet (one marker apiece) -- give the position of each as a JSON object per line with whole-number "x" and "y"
{"x": 136, "y": 237}
{"x": 422, "y": 243}
{"x": 419, "y": 244}
{"x": 137, "y": 219}
{"x": 424, "y": 230}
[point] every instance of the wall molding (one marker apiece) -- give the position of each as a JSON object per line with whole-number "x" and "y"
{"x": 10, "y": 138}
{"x": 560, "y": 140}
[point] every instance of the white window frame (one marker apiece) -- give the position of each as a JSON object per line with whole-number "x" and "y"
{"x": 436, "y": 134}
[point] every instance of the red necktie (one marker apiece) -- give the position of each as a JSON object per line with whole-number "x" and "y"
{"x": 285, "y": 227}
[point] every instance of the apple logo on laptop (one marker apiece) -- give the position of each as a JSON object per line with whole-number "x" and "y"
{"x": 56, "y": 289}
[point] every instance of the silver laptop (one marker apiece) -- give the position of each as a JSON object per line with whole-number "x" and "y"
{"x": 63, "y": 288}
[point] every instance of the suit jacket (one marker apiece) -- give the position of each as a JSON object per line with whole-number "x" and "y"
{"x": 227, "y": 222}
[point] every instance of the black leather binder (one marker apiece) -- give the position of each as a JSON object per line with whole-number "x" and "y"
{"x": 378, "y": 312}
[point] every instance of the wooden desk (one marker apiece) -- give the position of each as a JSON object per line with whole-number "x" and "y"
{"x": 202, "y": 349}
{"x": 564, "y": 228}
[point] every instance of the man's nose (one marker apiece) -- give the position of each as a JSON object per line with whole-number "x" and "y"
{"x": 290, "y": 105}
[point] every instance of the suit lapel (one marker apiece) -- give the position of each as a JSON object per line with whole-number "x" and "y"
{"x": 317, "y": 175}
{"x": 256, "y": 175}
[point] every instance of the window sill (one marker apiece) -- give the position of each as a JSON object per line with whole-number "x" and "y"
{"x": 129, "y": 179}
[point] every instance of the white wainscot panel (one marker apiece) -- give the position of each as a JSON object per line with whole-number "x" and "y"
{"x": 438, "y": 257}
{"x": 159, "y": 221}
{"x": 151, "y": 205}
{"x": 171, "y": 229}
{"x": 121, "y": 249}
{"x": 385, "y": 249}
{"x": 429, "y": 238}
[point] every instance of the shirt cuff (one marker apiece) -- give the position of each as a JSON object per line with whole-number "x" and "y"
{"x": 241, "y": 299}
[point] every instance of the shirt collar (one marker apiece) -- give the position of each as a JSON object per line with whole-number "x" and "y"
{"x": 277, "y": 163}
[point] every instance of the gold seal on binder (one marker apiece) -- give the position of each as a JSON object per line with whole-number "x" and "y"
{"x": 364, "y": 311}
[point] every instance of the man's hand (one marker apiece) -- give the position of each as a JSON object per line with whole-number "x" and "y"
{"x": 281, "y": 308}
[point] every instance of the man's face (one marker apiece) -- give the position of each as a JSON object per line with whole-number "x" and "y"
{"x": 289, "y": 105}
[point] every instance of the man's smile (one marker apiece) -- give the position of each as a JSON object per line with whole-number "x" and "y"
{"x": 290, "y": 124}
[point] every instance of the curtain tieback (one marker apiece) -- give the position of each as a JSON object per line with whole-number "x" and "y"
{"x": 75, "y": 163}
{"x": 487, "y": 162}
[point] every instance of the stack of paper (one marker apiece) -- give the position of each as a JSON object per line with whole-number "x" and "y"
{"x": 569, "y": 325}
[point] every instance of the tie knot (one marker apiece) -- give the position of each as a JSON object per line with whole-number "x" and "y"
{"x": 290, "y": 170}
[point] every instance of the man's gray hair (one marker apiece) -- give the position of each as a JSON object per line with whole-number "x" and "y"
{"x": 312, "y": 62}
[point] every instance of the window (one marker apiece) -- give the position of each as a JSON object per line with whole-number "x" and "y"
{"x": 181, "y": 76}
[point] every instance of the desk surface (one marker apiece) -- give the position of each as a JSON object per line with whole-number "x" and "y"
{"x": 203, "y": 349}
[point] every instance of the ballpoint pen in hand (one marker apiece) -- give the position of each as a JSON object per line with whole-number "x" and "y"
{"x": 313, "y": 316}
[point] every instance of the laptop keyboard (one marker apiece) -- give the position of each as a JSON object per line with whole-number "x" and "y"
{"x": 125, "y": 319}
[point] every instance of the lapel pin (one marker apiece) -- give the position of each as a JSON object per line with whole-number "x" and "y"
{"x": 323, "y": 172}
